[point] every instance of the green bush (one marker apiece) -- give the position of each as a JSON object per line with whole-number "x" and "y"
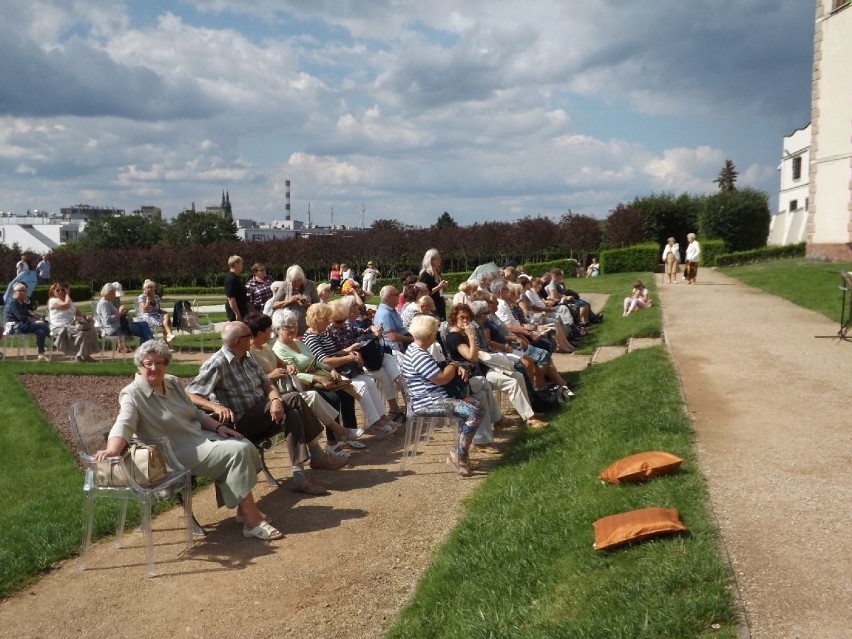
{"x": 536, "y": 269}
{"x": 761, "y": 255}
{"x": 710, "y": 251}
{"x": 636, "y": 258}
{"x": 740, "y": 218}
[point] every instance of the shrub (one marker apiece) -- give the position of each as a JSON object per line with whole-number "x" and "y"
{"x": 536, "y": 269}
{"x": 710, "y": 250}
{"x": 761, "y": 255}
{"x": 636, "y": 258}
{"x": 740, "y": 218}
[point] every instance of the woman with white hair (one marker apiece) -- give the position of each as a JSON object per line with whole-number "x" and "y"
{"x": 155, "y": 405}
{"x": 425, "y": 383}
{"x": 430, "y": 275}
{"x": 148, "y": 310}
{"x": 693, "y": 253}
{"x": 113, "y": 320}
{"x": 298, "y": 294}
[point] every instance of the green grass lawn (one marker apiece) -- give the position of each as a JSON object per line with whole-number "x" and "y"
{"x": 520, "y": 562}
{"x": 811, "y": 285}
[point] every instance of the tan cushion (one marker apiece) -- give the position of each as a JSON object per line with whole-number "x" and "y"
{"x": 616, "y": 530}
{"x": 640, "y": 467}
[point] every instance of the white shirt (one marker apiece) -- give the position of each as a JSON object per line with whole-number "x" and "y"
{"x": 693, "y": 251}
{"x": 60, "y": 316}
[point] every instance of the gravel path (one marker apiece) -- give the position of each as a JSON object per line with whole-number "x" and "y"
{"x": 770, "y": 408}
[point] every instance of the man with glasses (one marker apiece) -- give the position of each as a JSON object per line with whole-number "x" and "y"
{"x": 232, "y": 385}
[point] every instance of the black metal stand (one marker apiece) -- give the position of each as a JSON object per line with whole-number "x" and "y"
{"x": 845, "y": 322}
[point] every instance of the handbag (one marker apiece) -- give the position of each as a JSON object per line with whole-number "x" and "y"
{"x": 84, "y": 323}
{"x": 141, "y": 462}
{"x": 371, "y": 351}
{"x": 337, "y": 384}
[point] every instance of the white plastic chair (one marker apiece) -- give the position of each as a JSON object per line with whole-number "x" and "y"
{"x": 90, "y": 424}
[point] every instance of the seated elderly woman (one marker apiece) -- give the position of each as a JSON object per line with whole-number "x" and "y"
{"x": 535, "y": 303}
{"x": 72, "y": 330}
{"x": 148, "y": 310}
{"x": 344, "y": 332}
{"x": 521, "y": 312}
{"x": 297, "y": 295}
{"x": 155, "y": 405}
{"x": 324, "y": 292}
{"x": 410, "y": 294}
{"x": 349, "y": 364}
{"x": 465, "y": 343}
{"x": 113, "y": 319}
{"x": 466, "y": 290}
{"x": 425, "y": 383}
{"x": 326, "y": 407}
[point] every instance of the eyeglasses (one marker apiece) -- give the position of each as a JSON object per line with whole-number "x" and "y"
{"x": 289, "y": 327}
{"x": 152, "y": 365}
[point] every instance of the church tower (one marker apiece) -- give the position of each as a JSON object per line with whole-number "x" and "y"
{"x": 226, "y": 206}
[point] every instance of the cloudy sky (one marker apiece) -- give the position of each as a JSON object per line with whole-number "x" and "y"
{"x": 491, "y": 110}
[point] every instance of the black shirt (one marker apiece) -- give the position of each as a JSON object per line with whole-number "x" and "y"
{"x": 235, "y": 288}
{"x": 440, "y": 305}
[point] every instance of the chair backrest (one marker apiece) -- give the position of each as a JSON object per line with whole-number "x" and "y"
{"x": 90, "y": 424}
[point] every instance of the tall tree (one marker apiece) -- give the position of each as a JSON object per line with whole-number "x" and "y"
{"x": 740, "y": 218}
{"x": 445, "y": 221}
{"x": 121, "y": 231}
{"x": 624, "y": 227}
{"x": 727, "y": 177}
{"x": 199, "y": 228}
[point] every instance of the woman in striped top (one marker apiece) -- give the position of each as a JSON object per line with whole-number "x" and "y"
{"x": 348, "y": 363}
{"x": 424, "y": 380}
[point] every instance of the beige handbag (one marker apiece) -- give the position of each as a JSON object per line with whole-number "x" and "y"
{"x": 142, "y": 462}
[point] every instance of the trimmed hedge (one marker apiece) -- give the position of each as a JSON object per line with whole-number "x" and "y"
{"x": 633, "y": 259}
{"x": 765, "y": 254}
{"x": 710, "y": 251}
{"x": 537, "y": 269}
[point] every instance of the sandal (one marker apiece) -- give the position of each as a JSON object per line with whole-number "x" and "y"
{"x": 462, "y": 468}
{"x": 387, "y": 430}
{"x": 353, "y": 443}
{"x": 263, "y": 531}
{"x": 397, "y": 417}
{"x": 240, "y": 519}
{"x": 337, "y": 450}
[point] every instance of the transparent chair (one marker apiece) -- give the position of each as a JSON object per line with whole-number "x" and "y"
{"x": 90, "y": 424}
{"x": 417, "y": 428}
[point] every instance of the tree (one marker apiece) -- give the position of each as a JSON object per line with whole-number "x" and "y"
{"x": 740, "y": 218}
{"x": 727, "y": 177}
{"x": 121, "y": 231}
{"x": 666, "y": 216}
{"x": 199, "y": 228}
{"x": 624, "y": 227}
{"x": 581, "y": 234}
{"x": 387, "y": 225}
{"x": 445, "y": 221}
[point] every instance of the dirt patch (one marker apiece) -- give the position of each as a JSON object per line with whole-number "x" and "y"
{"x": 347, "y": 564}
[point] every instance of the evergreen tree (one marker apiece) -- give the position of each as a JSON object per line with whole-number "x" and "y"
{"x": 727, "y": 177}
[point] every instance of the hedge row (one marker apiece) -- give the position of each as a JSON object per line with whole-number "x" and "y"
{"x": 761, "y": 255}
{"x": 636, "y": 258}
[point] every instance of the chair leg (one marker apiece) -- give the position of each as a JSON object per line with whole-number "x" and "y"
{"x": 192, "y": 527}
{"x": 270, "y": 479}
{"x": 88, "y": 513}
{"x": 148, "y": 535}
{"x": 122, "y": 518}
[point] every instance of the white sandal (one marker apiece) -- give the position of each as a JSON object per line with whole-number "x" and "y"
{"x": 263, "y": 531}
{"x": 337, "y": 450}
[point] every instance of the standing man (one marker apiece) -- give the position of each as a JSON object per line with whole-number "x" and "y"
{"x": 43, "y": 270}
{"x": 236, "y": 299}
{"x": 232, "y": 385}
{"x": 394, "y": 333}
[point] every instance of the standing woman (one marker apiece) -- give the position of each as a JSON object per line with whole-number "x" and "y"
{"x": 430, "y": 275}
{"x": 671, "y": 258}
{"x": 693, "y": 253}
{"x": 150, "y": 311}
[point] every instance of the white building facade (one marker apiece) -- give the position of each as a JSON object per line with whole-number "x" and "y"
{"x": 829, "y": 232}
{"x": 39, "y": 235}
{"x": 790, "y": 224}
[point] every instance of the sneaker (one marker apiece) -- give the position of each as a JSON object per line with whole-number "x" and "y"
{"x": 308, "y": 487}
{"x": 43, "y": 357}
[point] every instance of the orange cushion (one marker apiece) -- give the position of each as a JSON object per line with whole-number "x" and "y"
{"x": 640, "y": 467}
{"x": 636, "y": 525}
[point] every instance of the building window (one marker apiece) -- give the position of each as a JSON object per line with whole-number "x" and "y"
{"x": 794, "y": 205}
{"x": 797, "y": 168}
